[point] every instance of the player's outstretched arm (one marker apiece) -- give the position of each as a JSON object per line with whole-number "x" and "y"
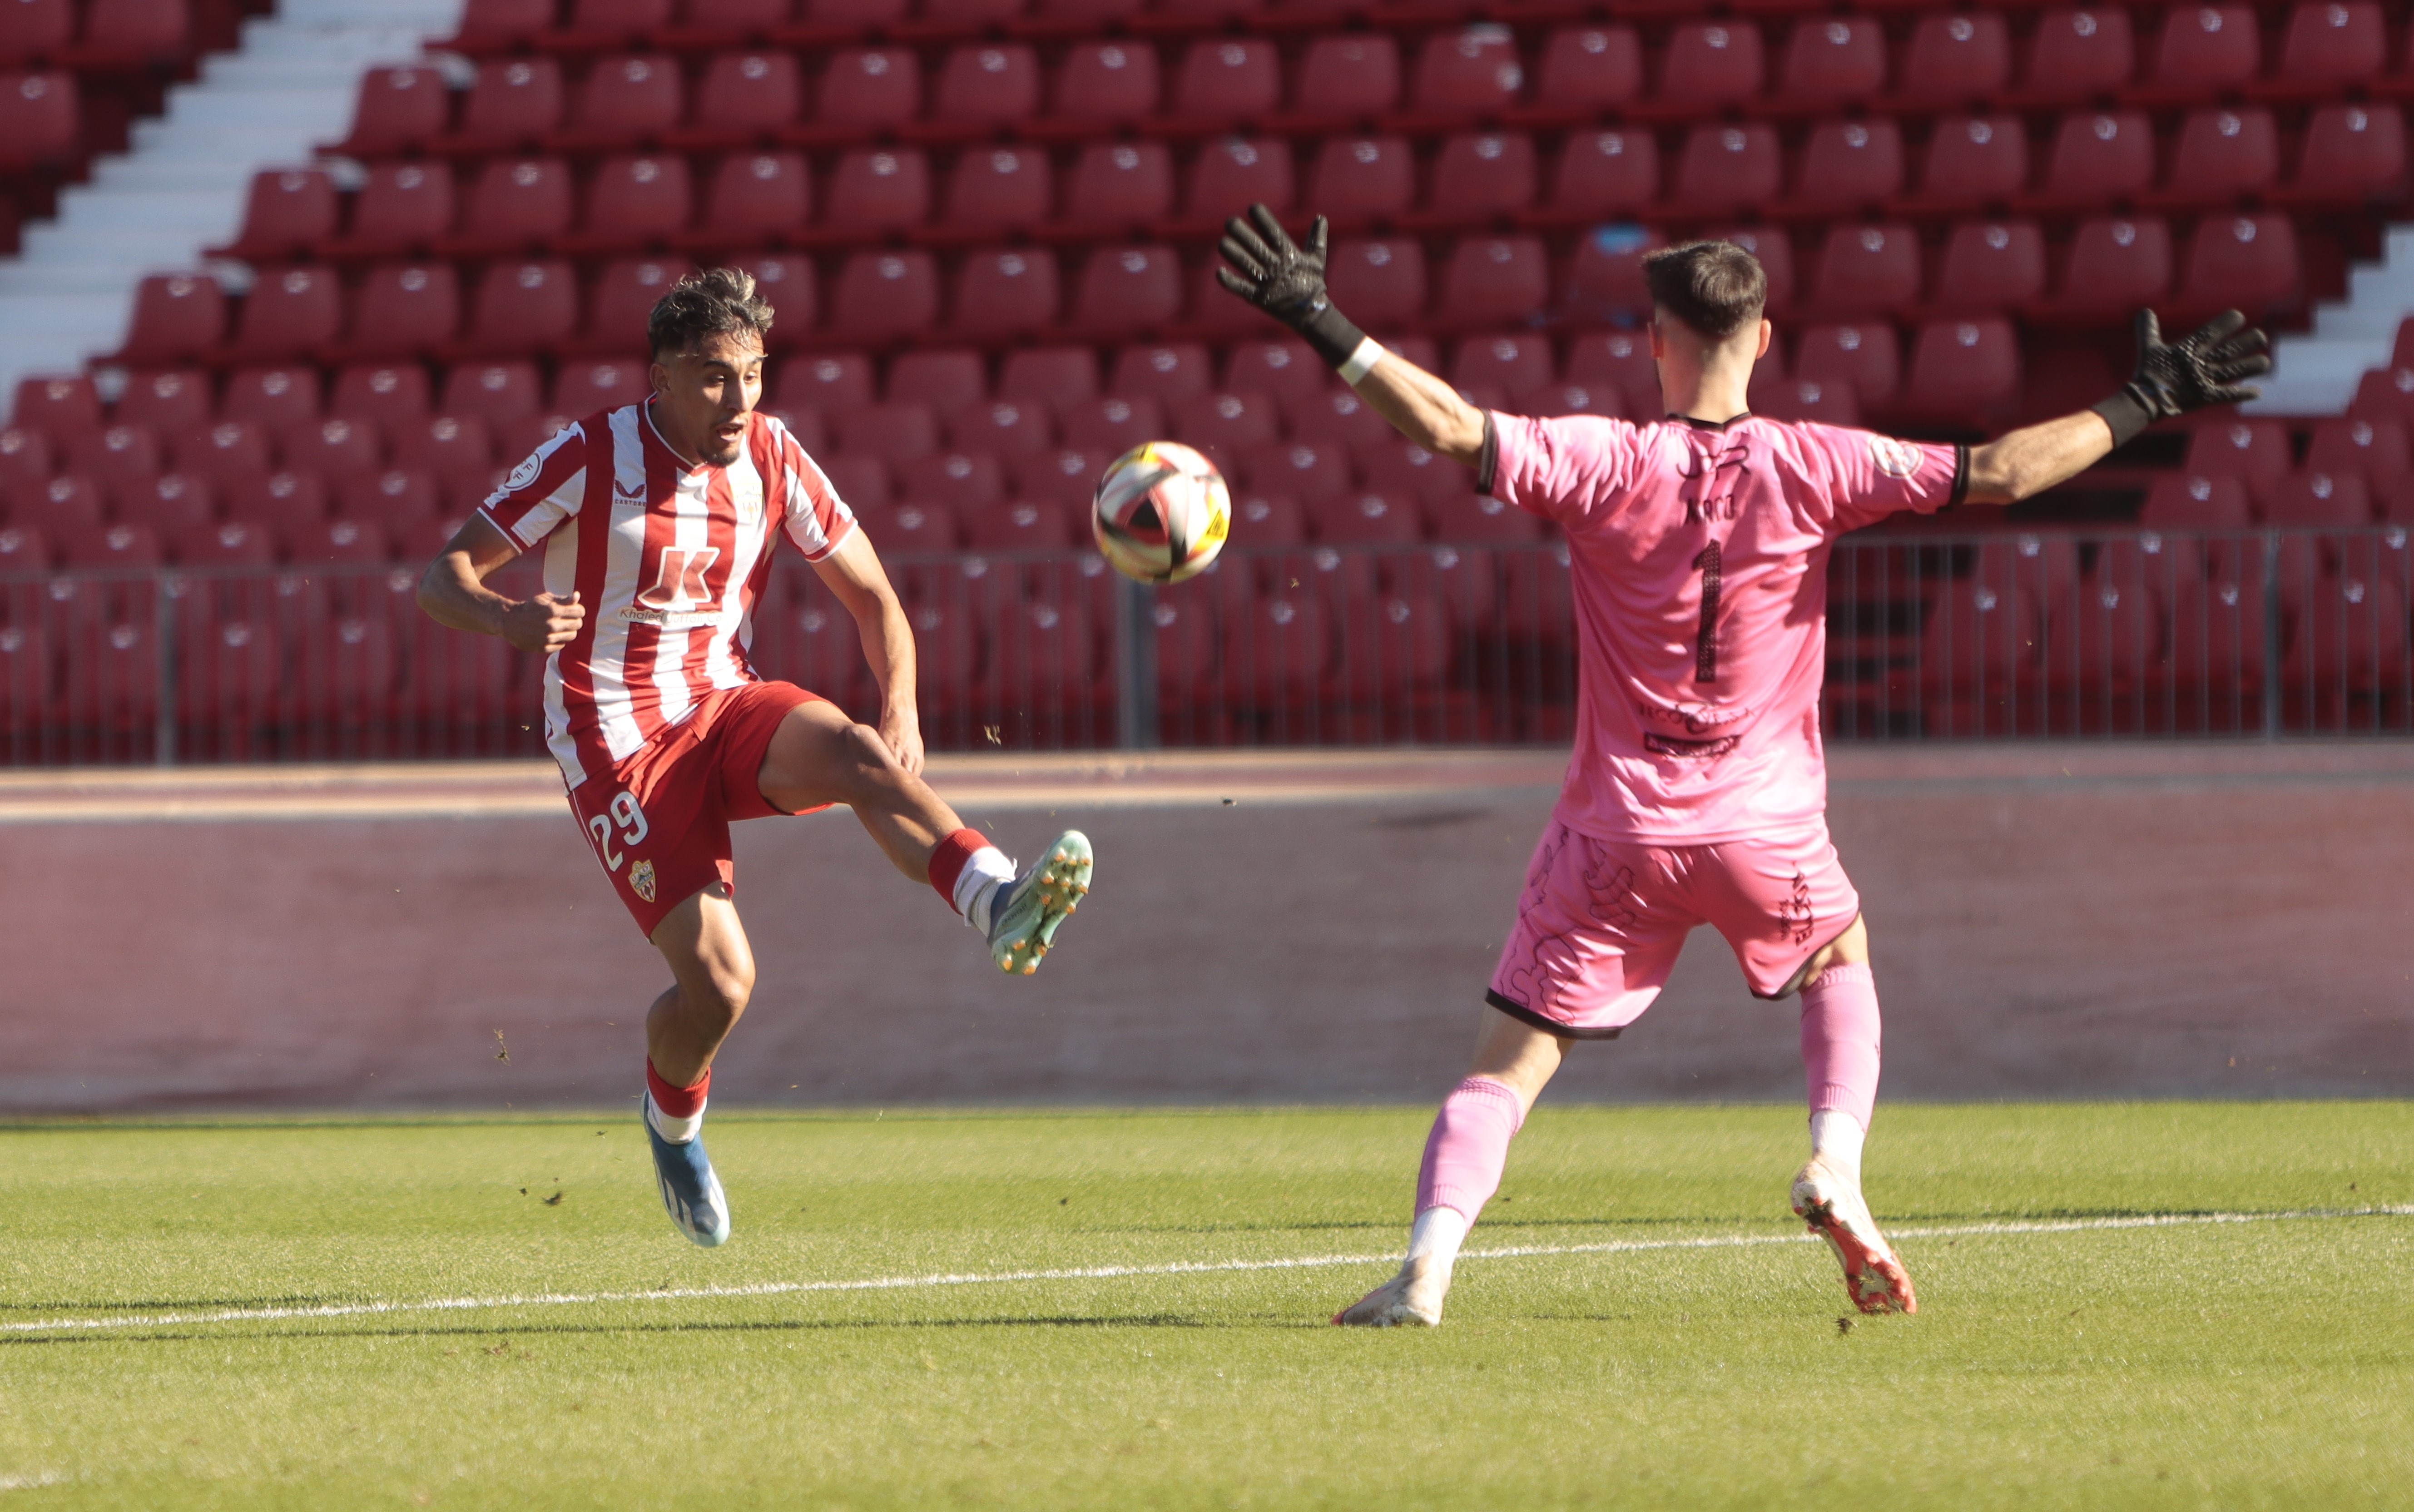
{"x": 854, "y": 577}
{"x": 1265, "y": 266}
{"x": 2207, "y": 367}
{"x": 452, "y": 591}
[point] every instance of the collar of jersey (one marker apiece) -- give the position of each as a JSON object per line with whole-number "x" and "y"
{"x": 1680, "y": 419}
{"x": 646, "y": 413}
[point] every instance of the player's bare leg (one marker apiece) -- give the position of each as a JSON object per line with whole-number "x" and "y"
{"x": 1839, "y": 1053}
{"x": 819, "y": 755}
{"x": 713, "y": 971}
{"x": 1513, "y": 1062}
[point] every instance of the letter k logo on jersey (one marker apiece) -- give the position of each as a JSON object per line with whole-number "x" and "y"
{"x": 678, "y": 582}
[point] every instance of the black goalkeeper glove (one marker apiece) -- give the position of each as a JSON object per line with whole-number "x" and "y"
{"x": 2188, "y": 374}
{"x": 1287, "y": 281}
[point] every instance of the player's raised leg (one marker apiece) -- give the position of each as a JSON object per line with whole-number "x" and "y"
{"x": 1465, "y": 1153}
{"x": 818, "y": 756}
{"x": 1840, "y": 1067}
{"x": 714, "y": 970}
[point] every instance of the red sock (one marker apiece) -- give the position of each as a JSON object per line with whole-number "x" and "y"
{"x": 678, "y": 1102}
{"x": 947, "y": 861}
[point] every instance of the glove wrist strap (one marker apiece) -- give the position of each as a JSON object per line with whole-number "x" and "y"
{"x": 2127, "y": 414}
{"x": 1333, "y": 334}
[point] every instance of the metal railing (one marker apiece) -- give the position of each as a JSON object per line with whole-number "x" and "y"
{"x": 2110, "y": 634}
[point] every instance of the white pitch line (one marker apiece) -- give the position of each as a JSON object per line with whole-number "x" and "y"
{"x": 1001, "y": 1277}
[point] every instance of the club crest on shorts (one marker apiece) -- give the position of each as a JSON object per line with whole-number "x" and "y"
{"x": 641, "y": 880}
{"x": 1895, "y": 459}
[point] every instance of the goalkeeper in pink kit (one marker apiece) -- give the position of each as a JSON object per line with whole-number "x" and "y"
{"x": 1697, "y": 793}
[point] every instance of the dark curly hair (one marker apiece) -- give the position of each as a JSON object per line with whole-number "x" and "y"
{"x": 717, "y": 302}
{"x": 1716, "y": 287}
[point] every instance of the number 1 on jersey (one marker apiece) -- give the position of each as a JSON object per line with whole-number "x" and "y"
{"x": 1706, "y": 645}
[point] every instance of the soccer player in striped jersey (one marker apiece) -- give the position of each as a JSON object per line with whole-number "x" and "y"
{"x": 658, "y": 521}
{"x": 1698, "y": 789}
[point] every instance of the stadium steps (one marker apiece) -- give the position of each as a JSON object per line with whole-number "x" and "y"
{"x": 2318, "y": 373}
{"x": 67, "y": 297}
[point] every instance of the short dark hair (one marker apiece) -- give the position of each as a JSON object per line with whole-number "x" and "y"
{"x": 1716, "y": 287}
{"x": 717, "y": 302}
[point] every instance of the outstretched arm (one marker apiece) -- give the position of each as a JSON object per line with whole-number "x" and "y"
{"x": 2205, "y": 368}
{"x": 452, "y": 591}
{"x": 853, "y": 575}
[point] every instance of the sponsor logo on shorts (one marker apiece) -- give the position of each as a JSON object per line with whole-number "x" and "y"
{"x": 641, "y": 881}
{"x": 1895, "y": 459}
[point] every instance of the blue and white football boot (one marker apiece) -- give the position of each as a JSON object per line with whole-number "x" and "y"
{"x": 691, "y": 1192}
{"x": 1023, "y": 921}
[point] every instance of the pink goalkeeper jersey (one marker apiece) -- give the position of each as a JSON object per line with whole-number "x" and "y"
{"x": 667, "y": 560}
{"x": 1700, "y": 561}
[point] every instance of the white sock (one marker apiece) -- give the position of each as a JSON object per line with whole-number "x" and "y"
{"x": 977, "y": 885}
{"x": 1437, "y": 1235}
{"x": 1837, "y": 1136}
{"x": 674, "y": 1130}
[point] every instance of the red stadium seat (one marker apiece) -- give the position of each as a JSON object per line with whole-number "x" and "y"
{"x": 830, "y": 383}
{"x": 2206, "y": 47}
{"x": 175, "y": 315}
{"x": 24, "y": 460}
{"x": 2116, "y": 264}
{"x": 914, "y": 526}
{"x": 745, "y": 97}
{"x": 1227, "y": 427}
{"x": 869, "y": 89}
{"x": 1382, "y": 281}
{"x": 165, "y": 402}
{"x": 2330, "y": 42}
{"x": 121, "y": 32}
{"x": 885, "y": 295}
{"x": 446, "y": 447}
{"x": 1067, "y": 475}
{"x": 1338, "y": 416}
{"x": 887, "y": 188}
{"x": 347, "y": 672}
{"x": 118, "y": 458}
{"x": 2351, "y": 637}
{"x": 2374, "y": 450}
{"x": 2351, "y": 152}
{"x": 1276, "y": 651}
{"x": 39, "y": 120}
{"x": 235, "y": 544}
{"x": 1170, "y": 374}
{"x": 274, "y": 396}
{"x": 1000, "y": 188}
{"x": 1235, "y": 172}
{"x": 334, "y": 449}
{"x": 1957, "y": 56}
{"x": 1974, "y": 159}
{"x": 627, "y": 100}
{"x": 1469, "y": 68}
{"x": 1964, "y": 369}
{"x": 1353, "y": 74}
{"x": 632, "y": 200}
{"x": 1228, "y": 78}
{"x": 281, "y": 502}
{"x": 897, "y": 434}
{"x": 389, "y": 497}
{"x": 1864, "y": 357}
{"x": 987, "y": 84}
{"x": 514, "y": 103}
{"x": 1848, "y": 164}
{"x": 2225, "y": 153}
{"x": 965, "y": 482}
{"x": 387, "y": 393}
{"x": 1711, "y": 64}
{"x": 1605, "y": 172}
{"x": 288, "y": 311}
{"x": 59, "y": 407}
{"x": 1359, "y": 176}
{"x": 1730, "y": 166}
{"x": 863, "y": 482}
{"x": 1106, "y": 82}
{"x": 524, "y": 307}
{"x": 1120, "y": 184}
{"x": 1112, "y": 424}
{"x": 30, "y": 29}
{"x": 1991, "y": 265}
{"x": 1269, "y": 520}
{"x": 408, "y": 307}
{"x": 402, "y": 208}
{"x": 400, "y": 108}
{"x": 1056, "y": 378}
{"x": 2079, "y": 53}
{"x": 945, "y": 381}
{"x": 2249, "y": 261}
{"x": 226, "y": 453}
{"x": 581, "y": 388}
{"x": 1832, "y": 60}
{"x": 787, "y": 282}
{"x": 1311, "y": 473}
{"x": 67, "y": 502}
{"x": 126, "y": 548}
{"x": 501, "y": 392}
{"x": 1004, "y": 291}
{"x": 1512, "y": 365}
{"x": 2255, "y": 452}
{"x": 971, "y": 12}
{"x": 289, "y": 212}
{"x": 1604, "y": 277}
{"x": 1024, "y": 525}
{"x": 1865, "y": 269}
{"x": 1487, "y": 175}
{"x": 2191, "y": 502}
{"x": 2101, "y": 155}
{"x": 1214, "y": 312}
{"x": 1590, "y": 68}
{"x": 613, "y": 23}
{"x": 1284, "y": 369}
{"x": 519, "y": 203}
{"x": 1496, "y": 280}
{"x": 759, "y": 194}
{"x": 1128, "y": 289}
{"x": 2314, "y": 500}
{"x": 1002, "y": 428}
{"x": 1368, "y": 519}
{"x": 340, "y": 543}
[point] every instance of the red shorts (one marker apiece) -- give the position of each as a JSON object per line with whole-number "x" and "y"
{"x": 1600, "y": 921}
{"x": 660, "y": 820}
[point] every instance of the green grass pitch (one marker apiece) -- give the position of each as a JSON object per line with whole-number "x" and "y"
{"x": 2192, "y": 1364}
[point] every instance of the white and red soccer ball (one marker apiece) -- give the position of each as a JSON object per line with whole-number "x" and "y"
{"x": 1162, "y": 512}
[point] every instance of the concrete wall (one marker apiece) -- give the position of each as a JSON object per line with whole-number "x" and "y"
{"x": 2048, "y": 922}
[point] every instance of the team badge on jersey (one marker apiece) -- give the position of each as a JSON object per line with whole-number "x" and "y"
{"x": 641, "y": 880}
{"x": 746, "y": 493}
{"x": 1895, "y": 459}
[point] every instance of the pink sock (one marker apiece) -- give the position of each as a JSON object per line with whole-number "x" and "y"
{"x": 1468, "y": 1147}
{"x": 1839, "y": 1041}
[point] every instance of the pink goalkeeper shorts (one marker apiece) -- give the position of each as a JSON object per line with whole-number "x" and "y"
{"x": 1600, "y": 921}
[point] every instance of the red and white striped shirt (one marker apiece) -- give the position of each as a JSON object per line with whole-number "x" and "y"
{"x": 668, "y": 567}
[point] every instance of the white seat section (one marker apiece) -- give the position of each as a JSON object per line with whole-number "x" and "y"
{"x": 2317, "y": 373}
{"x": 289, "y": 88}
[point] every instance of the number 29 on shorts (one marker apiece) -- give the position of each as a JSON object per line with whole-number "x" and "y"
{"x": 624, "y": 817}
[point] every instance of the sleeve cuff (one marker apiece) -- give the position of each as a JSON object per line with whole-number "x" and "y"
{"x": 1960, "y": 474}
{"x": 1487, "y": 461}
{"x": 509, "y": 534}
